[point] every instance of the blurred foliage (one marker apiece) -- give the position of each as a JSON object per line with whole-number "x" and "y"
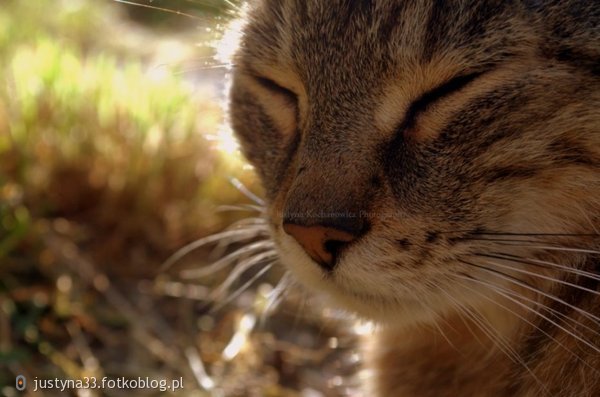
{"x": 72, "y": 21}
{"x": 108, "y": 164}
{"x": 101, "y": 148}
{"x": 78, "y": 130}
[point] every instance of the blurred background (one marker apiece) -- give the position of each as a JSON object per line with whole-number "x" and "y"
{"x": 114, "y": 155}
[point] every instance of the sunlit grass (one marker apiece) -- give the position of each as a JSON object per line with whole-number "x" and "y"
{"x": 112, "y": 157}
{"x": 99, "y": 148}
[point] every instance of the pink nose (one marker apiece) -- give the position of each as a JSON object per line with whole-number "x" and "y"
{"x": 321, "y": 243}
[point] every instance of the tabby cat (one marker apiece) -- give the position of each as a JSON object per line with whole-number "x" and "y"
{"x": 435, "y": 166}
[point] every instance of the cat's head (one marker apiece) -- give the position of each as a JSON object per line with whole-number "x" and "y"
{"x": 396, "y": 138}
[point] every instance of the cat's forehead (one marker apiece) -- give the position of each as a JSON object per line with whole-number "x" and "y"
{"x": 320, "y": 39}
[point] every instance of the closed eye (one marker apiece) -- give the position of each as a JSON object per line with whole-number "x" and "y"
{"x": 425, "y": 101}
{"x": 289, "y": 96}
{"x": 280, "y": 104}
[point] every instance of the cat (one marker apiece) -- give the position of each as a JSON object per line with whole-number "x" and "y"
{"x": 434, "y": 166}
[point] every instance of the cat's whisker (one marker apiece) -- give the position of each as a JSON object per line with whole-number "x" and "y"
{"x": 258, "y": 224}
{"x": 587, "y": 218}
{"x": 517, "y": 234}
{"x": 243, "y": 288}
{"x": 465, "y": 315}
{"x": 474, "y": 316}
{"x": 504, "y": 240}
{"x": 186, "y": 64}
{"x": 276, "y": 296}
{"x": 518, "y": 243}
{"x": 505, "y": 346}
{"x": 240, "y": 269}
{"x": 443, "y": 334}
{"x": 525, "y": 285}
{"x": 501, "y": 342}
{"x": 539, "y": 304}
{"x": 438, "y": 317}
{"x": 227, "y": 260}
{"x": 242, "y": 207}
{"x": 497, "y": 290}
{"x": 461, "y": 313}
{"x": 230, "y": 235}
{"x": 540, "y": 263}
{"x": 234, "y": 6}
{"x": 182, "y": 72}
{"x": 246, "y": 192}
{"x": 548, "y": 278}
{"x": 205, "y": 4}
{"x": 544, "y": 307}
{"x": 168, "y": 10}
{"x": 564, "y": 249}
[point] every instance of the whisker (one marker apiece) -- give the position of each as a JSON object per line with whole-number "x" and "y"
{"x": 198, "y": 369}
{"x": 276, "y": 296}
{"x": 435, "y": 323}
{"x": 503, "y": 240}
{"x": 566, "y": 249}
{"x": 241, "y": 268}
{"x": 186, "y": 65}
{"x": 183, "y": 72}
{"x": 459, "y": 306}
{"x": 258, "y": 224}
{"x": 243, "y": 288}
{"x": 516, "y": 234}
{"x": 533, "y": 274}
{"x": 240, "y": 207}
{"x": 234, "y": 235}
{"x": 441, "y": 331}
{"x": 536, "y": 290}
{"x": 205, "y": 4}
{"x": 503, "y": 345}
{"x": 546, "y": 308}
{"x": 489, "y": 331}
{"x": 233, "y": 5}
{"x": 513, "y": 243}
{"x": 244, "y": 190}
{"x": 493, "y": 288}
{"x": 587, "y": 217}
{"x": 168, "y": 10}
{"x": 226, "y": 260}
{"x": 537, "y": 262}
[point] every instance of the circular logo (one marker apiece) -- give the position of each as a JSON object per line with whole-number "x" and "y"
{"x": 20, "y": 383}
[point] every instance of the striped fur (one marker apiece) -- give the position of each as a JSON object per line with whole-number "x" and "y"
{"x": 465, "y": 137}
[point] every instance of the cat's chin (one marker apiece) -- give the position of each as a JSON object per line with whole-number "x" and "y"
{"x": 397, "y": 313}
{"x": 369, "y": 305}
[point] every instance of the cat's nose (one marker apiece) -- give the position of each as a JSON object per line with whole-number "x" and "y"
{"x": 322, "y": 243}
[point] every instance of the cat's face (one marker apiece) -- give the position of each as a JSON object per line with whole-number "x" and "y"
{"x": 396, "y": 138}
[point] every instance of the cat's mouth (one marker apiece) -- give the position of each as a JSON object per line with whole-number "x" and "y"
{"x": 357, "y": 282}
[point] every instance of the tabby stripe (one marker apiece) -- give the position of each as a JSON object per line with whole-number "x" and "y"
{"x": 502, "y": 174}
{"x": 569, "y": 152}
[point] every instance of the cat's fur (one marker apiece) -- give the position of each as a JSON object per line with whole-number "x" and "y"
{"x": 477, "y": 197}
